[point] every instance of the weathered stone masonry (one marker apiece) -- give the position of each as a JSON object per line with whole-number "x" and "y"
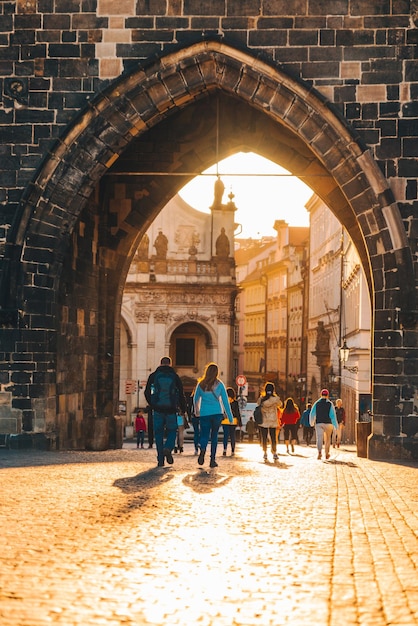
{"x": 325, "y": 88}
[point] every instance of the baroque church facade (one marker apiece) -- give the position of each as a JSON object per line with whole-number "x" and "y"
{"x": 179, "y": 297}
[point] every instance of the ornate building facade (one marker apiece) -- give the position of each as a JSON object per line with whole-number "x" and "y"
{"x": 339, "y": 310}
{"x": 179, "y": 297}
{"x": 272, "y": 292}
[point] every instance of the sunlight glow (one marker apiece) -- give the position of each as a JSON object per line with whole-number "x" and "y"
{"x": 260, "y": 200}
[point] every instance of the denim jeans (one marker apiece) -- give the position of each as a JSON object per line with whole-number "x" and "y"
{"x": 209, "y": 428}
{"x": 229, "y": 433}
{"x": 196, "y": 432}
{"x": 140, "y": 437}
{"x": 164, "y": 422}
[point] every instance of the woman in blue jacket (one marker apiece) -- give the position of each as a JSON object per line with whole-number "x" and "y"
{"x": 210, "y": 403}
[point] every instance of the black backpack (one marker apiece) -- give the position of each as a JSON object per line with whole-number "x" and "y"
{"x": 258, "y": 416}
{"x": 164, "y": 394}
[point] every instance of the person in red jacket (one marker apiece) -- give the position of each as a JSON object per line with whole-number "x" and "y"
{"x": 290, "y": 418}
{"x": 140, "y": 429}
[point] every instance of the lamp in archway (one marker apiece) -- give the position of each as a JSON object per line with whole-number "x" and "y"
{"x": 344, "y": 354}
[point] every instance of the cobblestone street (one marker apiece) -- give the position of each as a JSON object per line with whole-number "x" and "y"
{"x": 107, "y": 538}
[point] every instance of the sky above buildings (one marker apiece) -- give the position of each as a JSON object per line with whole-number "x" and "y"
{"x": 260, "y": 200}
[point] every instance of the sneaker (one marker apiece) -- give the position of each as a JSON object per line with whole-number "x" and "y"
{"x": 175, "y": 450}
{"x": 201, "y": 458}
{"x": 213, "y": 463}
{"x": 168, "y": 456}
{"x": 224, "y": 453}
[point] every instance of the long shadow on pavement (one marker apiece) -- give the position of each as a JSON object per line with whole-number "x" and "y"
{"x": 145, "y": 480}
{"x": 205, "y": 481}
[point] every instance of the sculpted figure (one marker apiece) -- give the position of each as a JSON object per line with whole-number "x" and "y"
{"x": 219, "y": 192}
{"x": 161, "y": 245}
{"x": 222, "y": 245}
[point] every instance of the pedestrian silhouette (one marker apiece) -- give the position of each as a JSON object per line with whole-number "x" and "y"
{"x": 269, "y": 402}
{"x": 140, "y": 429}
{"x": 324, "y": 419}
{"x": 290, "y": 417}
{"x": 229, "y": 429}
{"x": 165, "y": 395}
{"x": 210, "y": 402}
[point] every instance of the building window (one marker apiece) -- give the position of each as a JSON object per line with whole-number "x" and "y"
{"x": 236, "y": 334}
{"x": 185, "y": 352}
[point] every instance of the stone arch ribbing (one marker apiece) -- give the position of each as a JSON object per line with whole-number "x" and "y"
{"x": 139, "y": 101}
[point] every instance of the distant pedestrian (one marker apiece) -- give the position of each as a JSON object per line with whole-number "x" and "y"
{"x": 340, "y": 413}
{"x": 251, "y": 429}
{"x": 269, "y": 403}
{"x": 210, "y": 402}
{"x": 165, "y": 395}
{"x": 182, "y": 423}
{"x": 140, "y": 429}
{"x": 289, "y": 418}
{"x": 228, "y": 428}
{"x": 324, "y": 419}
{"x": 308, "y": 430}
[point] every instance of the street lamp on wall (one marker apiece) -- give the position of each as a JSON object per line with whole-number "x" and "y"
{"x": 344, "y": 354}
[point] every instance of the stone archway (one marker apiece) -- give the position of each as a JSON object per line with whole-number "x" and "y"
{"x": 316, "y": 144}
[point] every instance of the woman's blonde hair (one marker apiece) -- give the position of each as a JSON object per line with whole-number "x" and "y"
{"x": 210, "y": 376}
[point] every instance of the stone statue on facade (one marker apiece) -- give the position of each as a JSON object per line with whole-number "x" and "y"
{"x": 143, "y": 249}
{"x": 219, "y": 189}
{"x": 161, "y": 245}
{"x": 222, "y": 245}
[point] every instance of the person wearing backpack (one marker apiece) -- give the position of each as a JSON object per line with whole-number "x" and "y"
{"x": 210, "y": 402}
{"x": 165, "y": 395}
{"x": 323, "y": 417}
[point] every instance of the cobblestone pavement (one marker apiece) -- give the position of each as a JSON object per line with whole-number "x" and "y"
{"x": 109, "y": 539}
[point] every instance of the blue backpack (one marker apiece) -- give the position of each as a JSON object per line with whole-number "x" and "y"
{"x": 165, "y": 392}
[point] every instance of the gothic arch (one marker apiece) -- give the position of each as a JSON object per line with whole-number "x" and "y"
{"x": 316, "y": 144}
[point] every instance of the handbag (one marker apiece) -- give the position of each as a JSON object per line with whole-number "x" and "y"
{"x": 258, "y": 416}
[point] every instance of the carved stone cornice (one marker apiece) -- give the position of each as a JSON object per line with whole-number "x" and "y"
{"x": 141, "y": 314}
{"x": 191, "y": 316}
{"x": 224, "y": 317}
{"x": 161, "y": 317}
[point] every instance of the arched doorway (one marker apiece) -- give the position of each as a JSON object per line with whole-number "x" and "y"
{"x": 79, "y": 229}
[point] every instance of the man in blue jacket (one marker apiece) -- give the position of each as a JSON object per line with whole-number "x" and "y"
{"x": 165, "y": 395}
{"x": 323, "y": 417}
